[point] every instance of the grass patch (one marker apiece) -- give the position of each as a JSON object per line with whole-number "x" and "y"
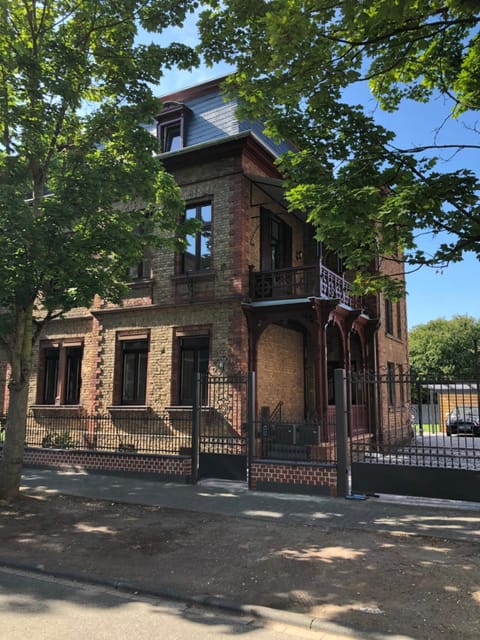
{"x": 429, "y": 428}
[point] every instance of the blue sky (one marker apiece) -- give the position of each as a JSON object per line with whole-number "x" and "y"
{"x": 431, "y": 293}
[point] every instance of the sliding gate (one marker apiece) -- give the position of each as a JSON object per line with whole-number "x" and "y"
{"x": 424, "y": 438}
{"x": 221, "y": 416}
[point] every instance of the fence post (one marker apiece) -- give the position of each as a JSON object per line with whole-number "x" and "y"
{"x": 341, "y": 432}
{"x": 419, "y": 400}
{"x": 251, "y": 442}
{"x": 196, "y": 406}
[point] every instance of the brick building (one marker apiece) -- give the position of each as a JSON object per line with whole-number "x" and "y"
{"x": 254, "y": 291}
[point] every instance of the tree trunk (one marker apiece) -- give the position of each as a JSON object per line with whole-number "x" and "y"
{"x": 14, "y": 445}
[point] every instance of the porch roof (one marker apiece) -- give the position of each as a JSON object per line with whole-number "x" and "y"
{"x": 274, "y": 190}
{"x": 278, "y": 302}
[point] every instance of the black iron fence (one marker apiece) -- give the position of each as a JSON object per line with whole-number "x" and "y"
{"x": 162, "y": 434}
{"x": 420, "y": 422}
{"x": 302, "y": 441}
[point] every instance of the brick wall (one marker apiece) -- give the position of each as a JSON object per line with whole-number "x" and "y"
{"x": 176, "y": 468}
{"x": 293, "y": 477}
{"x": 280, "y": 375}
{"x": 216, "y": 321}
{"x": 392, "y": 347}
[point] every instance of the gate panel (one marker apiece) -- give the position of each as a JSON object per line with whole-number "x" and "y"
{"x": 426, "y": 482}
{"x": 416, "y": 451}
{"x": 223, "y": 431}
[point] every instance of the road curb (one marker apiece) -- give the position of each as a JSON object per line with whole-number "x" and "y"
{"x": 259, "y": 612}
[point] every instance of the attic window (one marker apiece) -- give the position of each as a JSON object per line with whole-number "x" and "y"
{"x": 171, "y": 126}
{"x": 171, "y": 136}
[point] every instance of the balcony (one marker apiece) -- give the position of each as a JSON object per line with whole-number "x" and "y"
{"x": 302, "y": 282}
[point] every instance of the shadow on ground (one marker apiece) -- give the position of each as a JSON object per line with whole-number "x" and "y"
{"x": 418, "y": 586}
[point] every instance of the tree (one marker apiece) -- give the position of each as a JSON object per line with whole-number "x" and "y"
{"x": 297, "y": 62}
{"x": 447, "y": 348}
{"x": 78, "y": 174}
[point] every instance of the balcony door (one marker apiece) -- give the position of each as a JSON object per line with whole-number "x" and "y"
{"x": 276, "y": 242}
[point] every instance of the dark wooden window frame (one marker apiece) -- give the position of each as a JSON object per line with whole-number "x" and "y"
{"x": 59, "y": 380}
{"x": 168, "y": 132}
{"x": 123, "y": 340}
{"x": 399, "y": 319}
{"x": 141, "y": 271}
{"x": 180, "y": 333}
{"x": 280, "y": 244}
{"x": 172, "y": 118}
{"x": 388, "y": 317}
{"x": 391, "y": 391}
{"x": 208, "y": 226}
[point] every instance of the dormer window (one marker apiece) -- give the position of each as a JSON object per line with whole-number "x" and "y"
{"x": 171, "y": 126}
{"x": 171, "y": 138}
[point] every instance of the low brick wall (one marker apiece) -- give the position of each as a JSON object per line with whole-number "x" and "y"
{"x": 172, "y": 468}
{"x": 294, "y": 477}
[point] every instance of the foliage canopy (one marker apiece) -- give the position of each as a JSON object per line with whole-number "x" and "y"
{"x": 448, "y": 348}
{"x": 78, "y": 173}
{"x": 297, "y": 61}
{"x": 74, "y": 90}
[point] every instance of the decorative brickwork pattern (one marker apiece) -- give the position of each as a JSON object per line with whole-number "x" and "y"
{"x": 166, "y": 467}
{"x": 294, "y": 476}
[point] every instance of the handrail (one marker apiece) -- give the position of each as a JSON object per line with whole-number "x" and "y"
{"x": 277, "y": 409}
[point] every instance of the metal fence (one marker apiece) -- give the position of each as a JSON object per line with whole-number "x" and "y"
{"x": 297, "y": 441}
{"x": 156, "y": 434}
{"x": 422, "y": 423}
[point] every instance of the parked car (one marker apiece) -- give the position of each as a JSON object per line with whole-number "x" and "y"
{"x": 463, "y": 420}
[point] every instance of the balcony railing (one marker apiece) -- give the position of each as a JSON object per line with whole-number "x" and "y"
{"x": 302, "y": 282}
{"x": 333, "y": 286}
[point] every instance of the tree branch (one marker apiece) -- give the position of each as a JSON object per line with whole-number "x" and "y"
{"x": 432, "y": 28}
{"x": 426, "y": 147}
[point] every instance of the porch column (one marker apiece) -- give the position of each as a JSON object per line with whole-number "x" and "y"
{"x": 322, "y": 309}
{"x": 374, "y": 415}
{"x": 347, "y": 352}
{"x": 255, "y": 327}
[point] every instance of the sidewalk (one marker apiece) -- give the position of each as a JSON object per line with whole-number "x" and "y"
{"x": 345, "y": 568}
{"x": 441, "y": 518}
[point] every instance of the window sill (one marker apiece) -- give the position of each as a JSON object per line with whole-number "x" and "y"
{"x": 57, "y": 408}
{"x": 187, "y": 407}
{"x": 137, "y": 408}
{"x": 391, "y": 336}
{"x": 140, "y": 282}
{"x": 193, "y": 276}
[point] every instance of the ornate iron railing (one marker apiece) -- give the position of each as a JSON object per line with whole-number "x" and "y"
{"x": 295, "y": 282}
{"x": 335, "y": 287}
{"x": 302, "y": 282}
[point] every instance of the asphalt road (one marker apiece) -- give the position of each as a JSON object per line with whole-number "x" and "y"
{"x": 46, "y": 608}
